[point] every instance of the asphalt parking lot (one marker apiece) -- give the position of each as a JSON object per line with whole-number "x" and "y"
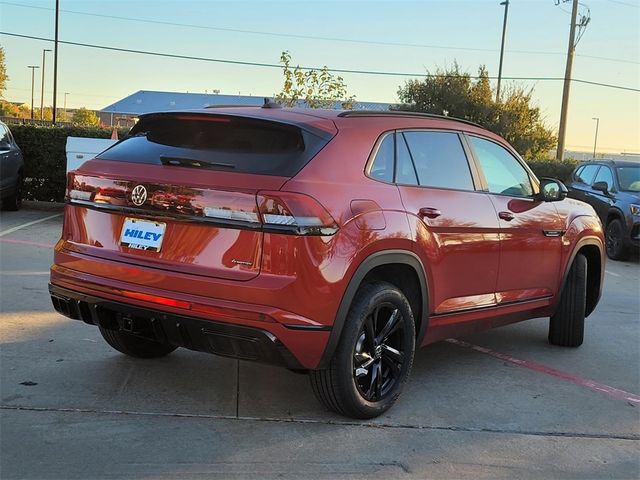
{"x": 501, "y": 404}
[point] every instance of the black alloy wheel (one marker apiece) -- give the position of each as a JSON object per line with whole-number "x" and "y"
{"x": 374, "y": 354}
{"x": 614, "y": 240}
{"x": 379, "y": 353}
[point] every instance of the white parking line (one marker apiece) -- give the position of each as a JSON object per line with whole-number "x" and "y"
{"x": 611, "y": 273}
{"x": 21, "y": 273}
{"x": 28, "y": 224}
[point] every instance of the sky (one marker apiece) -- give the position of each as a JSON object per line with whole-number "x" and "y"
{"x": 389, "y": 36}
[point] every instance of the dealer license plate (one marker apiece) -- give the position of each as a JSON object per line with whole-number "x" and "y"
{"x": 142, "y": 234}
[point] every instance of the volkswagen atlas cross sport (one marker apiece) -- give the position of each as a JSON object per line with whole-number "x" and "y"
{"x": 328, "y": 242}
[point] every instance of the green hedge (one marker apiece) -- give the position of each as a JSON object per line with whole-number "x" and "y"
{"x": 44, "y": 151}
{"x": 551, "y": 168}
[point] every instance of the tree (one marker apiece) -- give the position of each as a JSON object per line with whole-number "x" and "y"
{"x": 318, "y": 89}
{"x": 3, "y": 73}
{"x": 453, "y": 92}
{"x": 8, "y": 109}
{"x": 82, "y": 116}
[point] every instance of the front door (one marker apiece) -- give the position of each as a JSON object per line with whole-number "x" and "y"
{"x": 530, "y": 230}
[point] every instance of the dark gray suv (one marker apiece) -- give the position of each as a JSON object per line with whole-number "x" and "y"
{"x": 11, "y": 170}
{"x": 612, "y": 188}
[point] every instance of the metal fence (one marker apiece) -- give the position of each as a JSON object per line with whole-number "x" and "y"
{"x": 27, "y": 121}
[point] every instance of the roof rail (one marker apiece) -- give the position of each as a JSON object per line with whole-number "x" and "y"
{"x": 402, "y": 113}
{"x": 229, "y": 105}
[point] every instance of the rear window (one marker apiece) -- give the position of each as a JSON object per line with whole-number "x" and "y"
{"x": 229, "y": 143}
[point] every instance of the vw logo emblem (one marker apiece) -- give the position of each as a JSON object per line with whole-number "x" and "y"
{"x": 139, "y": 195}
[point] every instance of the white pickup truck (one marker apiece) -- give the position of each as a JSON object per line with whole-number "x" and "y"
{"x": 79, "y": 150}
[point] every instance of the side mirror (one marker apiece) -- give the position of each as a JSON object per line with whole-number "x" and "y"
{"x": 601, "y": 187}
{"x": 552, "y": 190}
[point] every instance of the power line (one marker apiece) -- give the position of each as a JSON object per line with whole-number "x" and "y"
{"x": 306, "y": 68}
{"x": 312, "y": 37}
{"x": 627, "y": 4}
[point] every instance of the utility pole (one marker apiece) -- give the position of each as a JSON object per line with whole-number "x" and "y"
{"x": 581, "y": 25}
{"x": 33, "y": 79}
{"x": 55, "y": 63}
{"x": 42, "y": 85}
{"x": 504, "y": 35}
{"x": 65, "y": 106}
{"x": 595, "y": 141}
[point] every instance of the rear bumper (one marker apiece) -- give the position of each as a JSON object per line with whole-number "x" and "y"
{"x": 274, "y": 343}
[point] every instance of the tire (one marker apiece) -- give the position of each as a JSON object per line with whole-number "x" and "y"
{"x": 566, "y": 326}
{"x": 614, "y": 240}
{"x": 135, "y": 346}
{"x": 367, "y": 352}
{"x": 14, "y": 202}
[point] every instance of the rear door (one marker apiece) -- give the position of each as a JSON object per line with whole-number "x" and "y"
{"x": 179, "y": 193}
{"x": 530, "y": 230}
{"x": 455, "y": 226}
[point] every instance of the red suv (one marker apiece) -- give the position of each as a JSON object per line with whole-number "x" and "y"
{"x": 324, "y": 241}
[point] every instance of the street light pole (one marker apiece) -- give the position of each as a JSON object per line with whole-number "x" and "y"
{"x": 55, "y": 63}
{"x": 45, "y": 50}
{"x": 504, "y": 36}
{"x": 595, "y": 141}
{"x": 33, "y": 80}
{"x": 65, "y": 105}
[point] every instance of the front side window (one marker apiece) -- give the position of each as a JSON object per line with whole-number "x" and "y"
{"x": 605, "y": 175}
{"x": 439, "y": 159}
{"x": 503, "y": 172}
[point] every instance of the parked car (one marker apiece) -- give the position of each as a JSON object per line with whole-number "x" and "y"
{"x": 612, "y": 188}
{"x": 11, "y": 170}
{"x": 329, "y": 242}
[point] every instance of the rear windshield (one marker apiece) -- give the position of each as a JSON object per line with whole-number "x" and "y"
{"x": 629, "y": 178}
{"x": 236, "y": 144}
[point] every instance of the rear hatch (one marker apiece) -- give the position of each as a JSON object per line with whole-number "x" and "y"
{"x": 190, "y": 192}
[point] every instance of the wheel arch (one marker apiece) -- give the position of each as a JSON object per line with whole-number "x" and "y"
{"x": 373, "y": 268}
{"x": 614, "y": 213}
{"x": 592, "y": 249}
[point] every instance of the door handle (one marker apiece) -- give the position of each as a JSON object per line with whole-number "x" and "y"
{"x": 429, "y": 212}
{"x": 507, "y": 216}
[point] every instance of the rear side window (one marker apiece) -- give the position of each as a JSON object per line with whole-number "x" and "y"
{"x": 406, "y": 172}
{"x": 585, "y": 174}
{"x": 382, "y": 168}
{"x": 503, "y": 172}
{"x": 439, "y": 160}
{"x": 230, "y": 143}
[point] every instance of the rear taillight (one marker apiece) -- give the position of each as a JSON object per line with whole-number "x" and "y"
{"x": 295, "y": 213}
{"x": 272, "y": 211}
